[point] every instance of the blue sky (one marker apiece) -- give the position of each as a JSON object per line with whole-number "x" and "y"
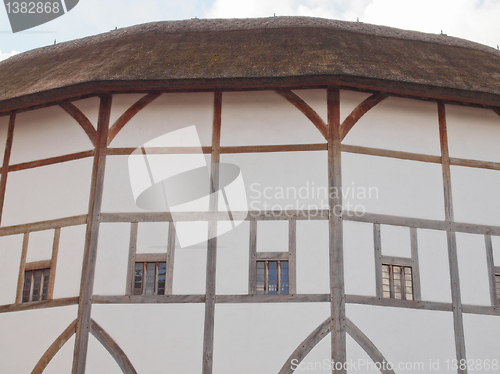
{"x": 475, "y": 20}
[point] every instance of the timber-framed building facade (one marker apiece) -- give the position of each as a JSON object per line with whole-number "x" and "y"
{"x": 400, "y": 266}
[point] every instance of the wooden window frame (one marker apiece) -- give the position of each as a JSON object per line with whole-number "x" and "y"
{"x": 497, "y": 282}
{"x": 289, "y": 256}
{"x": 144, "y": 276}
{"x": 278, "y": 276}
{"x": 135, "y": 257}
{"x": 392, "y": 263}
{"x": 50, "y": 264}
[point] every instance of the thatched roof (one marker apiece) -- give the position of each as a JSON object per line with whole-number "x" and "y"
{"x": 233, "y": 53}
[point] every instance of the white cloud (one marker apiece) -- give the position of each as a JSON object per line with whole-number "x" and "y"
{"x": 475, "y": 20}
{"x": 4, "y": 56}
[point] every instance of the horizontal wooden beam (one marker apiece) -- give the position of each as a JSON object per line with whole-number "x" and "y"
{"x": 310, "y": 298}
{"x": 51, "y": 161}
{"x": 150, "y": 257}
{"x": 391, "y": 154}
{"x": 398, "y": 261}
{"x": 36, "y": 265}
{"x": 43, "y": 225}
{"x": 409, "y": 304}
{"x": 272, "y": 256}
{"x": 153, "y": 299}
{"x": 39, "y": 305}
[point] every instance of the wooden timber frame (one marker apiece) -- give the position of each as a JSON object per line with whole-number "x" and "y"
{"x": 334, "y": 133}
{"x": 83, "y": 324}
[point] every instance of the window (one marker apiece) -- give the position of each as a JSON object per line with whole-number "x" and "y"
{"x": 497, "y": 284}
{"x": 272, "y": 277}
{"x": 36, "y": 285}
{"x": 149, "y": 278}
{"x": 397, "y": 282}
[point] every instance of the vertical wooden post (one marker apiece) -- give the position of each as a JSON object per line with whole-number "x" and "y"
{"x": 6, "y": 159}
{"x": 252, "y": 272}
{"x": 337, "y": 295}
{"x": 132, "y": 249}
{"x": 378, "y": 259}
{"x": 92, "y": 234}
{"x": 170, "y": 258}
{"x": 417, "y": 293}
{"x": 292, "y": 255}
{"x": 208, "y": 338}
{"x": 491, "y": 271}
{"x": 452, "y": 243}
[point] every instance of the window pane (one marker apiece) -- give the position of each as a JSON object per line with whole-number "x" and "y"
{"x": 37, "y": 285}
{"x": 396, "y": 274}
{"x": 284, "y": 278}
{"x": 139, "y": 266}
{"x": 27, "y": 286}
{"x": 261, "y": 278}
{"x": 162, "y": 272}
{"x": 45, "y": 290}
{"x": 150, "y": 278}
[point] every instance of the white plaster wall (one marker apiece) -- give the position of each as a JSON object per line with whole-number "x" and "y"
{"x": 90, "y": 107}
{"x": 169, "y": 112}
{"x": 40, "y": 245}
{"x": 4, "y": 126}
{"x": 473, "y": 133}
{"x": 318, "y": 360}
{"x": 473, "y": 269}
{"x": 99, "y": 360}
{"x": 481, "y": 341}
{"x": 35, "y": 331}
{"x": 10, "y": 252}
{"x": 264, "y": 118}
{"x": 270, "y": 332}
{"x": 69, "y": 261}
{"x": 359, "y": 259}
{"x": 313, "y": 271}
{"x": 272, "y": 236}
{"x": 349, "y": 100}
{"x": 357, "y": 359}
{"x": 407, "y": 335}
{"x": 395, "y": 241}
{"x": 117, "y": 193}
{"x": 284, "y": 180}
{"x": 156, "y": 337}
{"x": 112, "y": 259}
{"x": 190, "y": 269}
{"x": 47, "y": 192}
{"x": 63, "y": 360}
{"x": 475, "y": 195}
{"x": 47, "y": 132}
{"x": 152, "y": 237}
{"x": 233, "y": 260}
{"x": 405, "y": 188}
{"x": 495, "y": 242}
{"x": 434, "y": 265}
{"x": 400, "y": 125}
